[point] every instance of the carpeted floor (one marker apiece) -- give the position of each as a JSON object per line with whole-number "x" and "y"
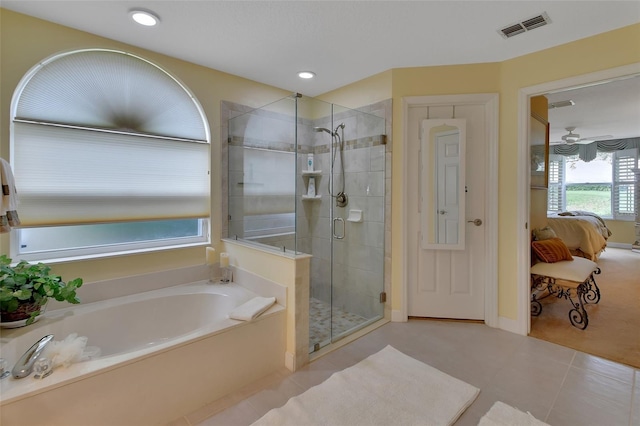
{"x": 614, "y": 324}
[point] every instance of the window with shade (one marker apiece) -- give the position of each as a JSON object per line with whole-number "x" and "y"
{"x": 604, "y": 185}
{"x": 110, "y": 154}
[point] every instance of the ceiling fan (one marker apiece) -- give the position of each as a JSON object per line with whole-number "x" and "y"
{"x": 573, "y": 138}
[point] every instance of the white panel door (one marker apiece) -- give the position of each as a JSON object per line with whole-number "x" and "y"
{"x": 448, "y": 283}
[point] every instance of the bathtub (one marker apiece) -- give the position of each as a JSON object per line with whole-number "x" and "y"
{"x": 164, "y": 353}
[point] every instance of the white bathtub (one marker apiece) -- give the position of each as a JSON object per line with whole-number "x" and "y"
{"x": 164, "y": 353}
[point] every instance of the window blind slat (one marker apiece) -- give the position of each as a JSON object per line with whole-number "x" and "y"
{"x": 109, "y": 178}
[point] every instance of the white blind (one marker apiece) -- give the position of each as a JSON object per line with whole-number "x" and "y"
{"x": 113, "y": 90}
{"x": 556, "y": 199}
{"x": 624, "y": 161}
{"x": 71, "y": 176}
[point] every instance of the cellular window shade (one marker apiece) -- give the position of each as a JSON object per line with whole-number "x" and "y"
{"x": 72, "y": 176}
{"x": 112, "y": 90}
{"x": 105, "y": 136}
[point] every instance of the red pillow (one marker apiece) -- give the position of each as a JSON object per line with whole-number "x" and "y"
{"x": 551, "y": 250}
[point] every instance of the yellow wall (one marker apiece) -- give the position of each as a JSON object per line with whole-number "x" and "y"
{"x": 621, "y": 231}
{"x": 364, "y": 92}
{"x": 25, "y": 41}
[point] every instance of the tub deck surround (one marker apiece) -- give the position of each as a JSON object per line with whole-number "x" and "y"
{"x": 269, "y": 266}
{"x": 164, "y": 352}
{"x": 118, "y": 287}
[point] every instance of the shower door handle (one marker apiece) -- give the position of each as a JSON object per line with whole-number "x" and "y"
{"x": 335, "y": 235}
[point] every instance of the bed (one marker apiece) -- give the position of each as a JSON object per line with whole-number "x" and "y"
{"x": 584, "y": 233}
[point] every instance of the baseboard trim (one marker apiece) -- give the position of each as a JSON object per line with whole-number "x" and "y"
{"x": 398, "y": 316}
{"x": 289, "y": 361}
{"x": 619, "y": 245}
{"x": 510, "y": 325}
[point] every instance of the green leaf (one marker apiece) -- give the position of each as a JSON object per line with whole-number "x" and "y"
{"x": 5, "y": 294}
{"x": 22, "y": 294}
{"x": 11, "y": 305}
{"x": 48, "y": 290}
{"x": 32, "y": 317}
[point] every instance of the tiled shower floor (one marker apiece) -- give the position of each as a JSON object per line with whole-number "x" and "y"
{"x": 320, "y": 322}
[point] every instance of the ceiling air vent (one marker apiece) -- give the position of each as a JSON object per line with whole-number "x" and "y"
{"x": 526, "y": 25}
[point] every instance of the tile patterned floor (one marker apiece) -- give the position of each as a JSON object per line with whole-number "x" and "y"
{"x": 320, "y": 321}
{"x": 558, "y": 385}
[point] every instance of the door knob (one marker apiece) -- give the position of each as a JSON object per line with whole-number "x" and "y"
{"x": 442, "y": 212}
{"x": 476, "y": 222}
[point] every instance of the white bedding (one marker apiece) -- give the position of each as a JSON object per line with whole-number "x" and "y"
{"x": 585, "y": 232}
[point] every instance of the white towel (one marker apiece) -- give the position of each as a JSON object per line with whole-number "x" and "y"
{"x": 252, "y": 309}
{"x": 8, "y": 202}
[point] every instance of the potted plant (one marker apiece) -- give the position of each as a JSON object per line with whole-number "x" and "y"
{"x": 25, "y": 289}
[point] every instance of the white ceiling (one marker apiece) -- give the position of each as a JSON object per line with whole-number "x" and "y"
{"x": 341, "y": 41}
{"x": 610, "y": 109}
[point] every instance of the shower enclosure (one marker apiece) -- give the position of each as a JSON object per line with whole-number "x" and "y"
{"x": 307, "y": 176}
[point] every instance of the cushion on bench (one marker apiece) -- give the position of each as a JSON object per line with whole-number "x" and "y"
{"x": 551, "y": 250}
{"x": 576, "y": 270}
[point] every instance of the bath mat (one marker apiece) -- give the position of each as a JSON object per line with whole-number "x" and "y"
{"x": 502, "y": 414}
{"x": 387, "y": 388}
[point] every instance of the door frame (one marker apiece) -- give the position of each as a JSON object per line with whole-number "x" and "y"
{"x": 523, "y": 322}
{"x": 490, "y": 102}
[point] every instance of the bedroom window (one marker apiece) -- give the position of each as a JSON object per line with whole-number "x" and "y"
{"x": 110, "y": 155}
{"x": 604, "y": 186}
{"x": 623, "y": 200}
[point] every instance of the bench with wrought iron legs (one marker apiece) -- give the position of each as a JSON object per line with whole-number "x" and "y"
{"x": 568, "y": 279}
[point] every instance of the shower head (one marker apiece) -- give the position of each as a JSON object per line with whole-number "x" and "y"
{"x": 322, "y": 129}
{"x": 340, "y": 126}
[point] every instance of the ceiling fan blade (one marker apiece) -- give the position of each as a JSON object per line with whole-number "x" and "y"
{"x": 595, "y": 138}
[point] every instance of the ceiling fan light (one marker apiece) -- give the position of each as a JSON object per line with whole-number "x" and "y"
{"x": 572, "y": 138}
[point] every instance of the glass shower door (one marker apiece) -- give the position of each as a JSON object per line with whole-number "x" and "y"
{"x": 357, "y": 219}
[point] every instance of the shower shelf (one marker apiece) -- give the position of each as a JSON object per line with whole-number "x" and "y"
{"x": 311, "y": 172}
{"x": 316, "y": 197}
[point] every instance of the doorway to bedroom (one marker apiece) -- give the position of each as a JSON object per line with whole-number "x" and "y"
{"x": 589, "y": 201}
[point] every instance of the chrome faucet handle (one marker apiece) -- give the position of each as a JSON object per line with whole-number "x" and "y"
{"x": 3, "y": 368}
{"x": 24, "y": 366}
{"x": 42, "y": 367}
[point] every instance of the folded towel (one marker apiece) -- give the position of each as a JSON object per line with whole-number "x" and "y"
{"x": 8, "y": 201}
{"x": 252, "y": 309}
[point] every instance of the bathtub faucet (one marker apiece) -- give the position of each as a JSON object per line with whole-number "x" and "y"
{"x": 24, "y": 366}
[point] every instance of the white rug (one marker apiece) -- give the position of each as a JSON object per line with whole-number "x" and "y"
{"x": 502, "y": 414}
{"x": 387, "y": 388}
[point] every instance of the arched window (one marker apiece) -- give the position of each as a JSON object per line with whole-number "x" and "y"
{"x": 110, "y": 153}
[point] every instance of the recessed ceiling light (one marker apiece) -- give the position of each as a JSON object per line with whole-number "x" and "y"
{"x": 306, "y": 74}
{"x": 144, "y": 17}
